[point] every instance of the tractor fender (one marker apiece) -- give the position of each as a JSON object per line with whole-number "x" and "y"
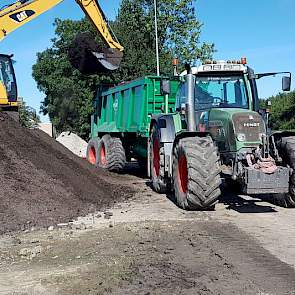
{"x": 166, "y": 125}
{"x": 169, "y": 138}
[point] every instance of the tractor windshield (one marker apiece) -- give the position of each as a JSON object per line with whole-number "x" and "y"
{"x": 220, "y": 92}
{"x": 7, "y": 76}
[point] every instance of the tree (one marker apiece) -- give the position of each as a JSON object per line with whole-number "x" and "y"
{"x": 283, "y": 110}
{"x": 179, "y": 36}
{"x": 181, "y": 31}
{"x": 27, "y": 116}
{"x": 69, "y": 95}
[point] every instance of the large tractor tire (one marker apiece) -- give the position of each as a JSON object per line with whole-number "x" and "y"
{"x": 92, "y": 151}
{"x": 196, "y": 173}
{"x": 157, "y": 158}
{"x": 287, "y": 151}
{"x": 111, "y": 154}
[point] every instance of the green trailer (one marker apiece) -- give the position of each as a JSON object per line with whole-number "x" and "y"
{"x": 191, "y": 131}
{"x": 125, "y": 112}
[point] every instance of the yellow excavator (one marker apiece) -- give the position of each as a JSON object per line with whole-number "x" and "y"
{"x": 84, "y": 54}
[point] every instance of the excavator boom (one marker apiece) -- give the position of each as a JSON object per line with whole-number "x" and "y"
{"x": 21, "y": 12}
{"x": 84, "y": 54}
{"x": 18, "y": 14}
{"x": 95, "y": 14}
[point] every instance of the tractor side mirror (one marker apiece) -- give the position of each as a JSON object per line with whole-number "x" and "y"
{"x": 165, "y": 87}
{"x": 286, "y": 83}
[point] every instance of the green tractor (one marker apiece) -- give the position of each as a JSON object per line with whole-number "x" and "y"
{"x": 193, "y": 130}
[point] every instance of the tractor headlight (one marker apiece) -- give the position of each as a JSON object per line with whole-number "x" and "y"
{"x": 241, "y": 137}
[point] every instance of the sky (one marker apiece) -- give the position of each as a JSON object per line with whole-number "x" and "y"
{"x": 261, "y": 30}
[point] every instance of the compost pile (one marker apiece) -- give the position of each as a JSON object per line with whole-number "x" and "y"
{"x": 42, "y": 183}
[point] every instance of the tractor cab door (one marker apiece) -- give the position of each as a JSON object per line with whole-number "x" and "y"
{"x": 8, "y": 87}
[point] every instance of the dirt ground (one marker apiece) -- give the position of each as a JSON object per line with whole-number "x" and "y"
{"x": 146, "y": 245}
{"x": 69, "y": 228}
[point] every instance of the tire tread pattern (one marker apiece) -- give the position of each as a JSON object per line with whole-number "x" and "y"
{"x": 203, "y": 173}
{"x": 115, "y": 153}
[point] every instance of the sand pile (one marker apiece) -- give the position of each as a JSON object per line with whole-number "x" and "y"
{"x": 74, "y": 143}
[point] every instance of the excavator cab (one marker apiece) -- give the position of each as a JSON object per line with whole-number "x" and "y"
{"x": 8, "y": 86}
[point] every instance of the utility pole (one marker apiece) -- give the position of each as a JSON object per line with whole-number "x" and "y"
{"x": 157, "y": 40}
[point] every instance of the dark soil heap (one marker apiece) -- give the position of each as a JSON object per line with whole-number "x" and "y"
{"x": 42, "y": 183}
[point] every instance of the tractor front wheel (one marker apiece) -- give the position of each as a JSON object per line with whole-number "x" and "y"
{"x": 196, "y": 173}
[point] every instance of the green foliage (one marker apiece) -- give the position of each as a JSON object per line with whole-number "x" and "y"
{"x": 178, "y": 30}
{"x": 283, "y": 111}
{"x": 181, "y": 31}
{"x": 69, "y": 95}
{"x": 27, "y": 116}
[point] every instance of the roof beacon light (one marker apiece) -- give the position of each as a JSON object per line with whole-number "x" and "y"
{"x": 175, "y": 62}
{"x": 244, "y": 60}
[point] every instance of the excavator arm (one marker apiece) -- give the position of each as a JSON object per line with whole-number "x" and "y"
{"x": 21, "y": 12}
{"x": 84, "y": 54}
{"x": 95, "y": 14}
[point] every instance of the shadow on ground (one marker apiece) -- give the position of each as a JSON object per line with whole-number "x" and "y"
{"x": 245, "y": 204}
{"x": 231, "y": 196}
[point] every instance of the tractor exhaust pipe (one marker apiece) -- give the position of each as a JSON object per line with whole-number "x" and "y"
{"x": 190, "y": 104}
{"x": 89, "y": 58}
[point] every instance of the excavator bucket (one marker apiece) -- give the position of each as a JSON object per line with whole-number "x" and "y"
{"x": 89, "y": 58}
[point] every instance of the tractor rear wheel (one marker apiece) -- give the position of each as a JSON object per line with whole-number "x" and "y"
{"x": 287, "y": 148}
{"x": 111, "y": 154}
{"x": 92, "y": 151}
{"x": 196, "y": 173}
{"x": 159, "y": 183}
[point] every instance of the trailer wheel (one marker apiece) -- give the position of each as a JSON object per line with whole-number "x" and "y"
{"x": 159, "y": 183}
{"x": 196, "y": 173}
{"x": 111, "y": 154}
{"x": 287, "y": 148}
{"x": 92, "y": 151}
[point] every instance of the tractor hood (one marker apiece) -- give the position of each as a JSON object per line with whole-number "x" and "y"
{"x": 234, "y": 129}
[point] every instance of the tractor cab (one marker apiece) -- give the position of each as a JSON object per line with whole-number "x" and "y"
{"x": 219, "y": 85}
{"x": 226, "y": 103}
